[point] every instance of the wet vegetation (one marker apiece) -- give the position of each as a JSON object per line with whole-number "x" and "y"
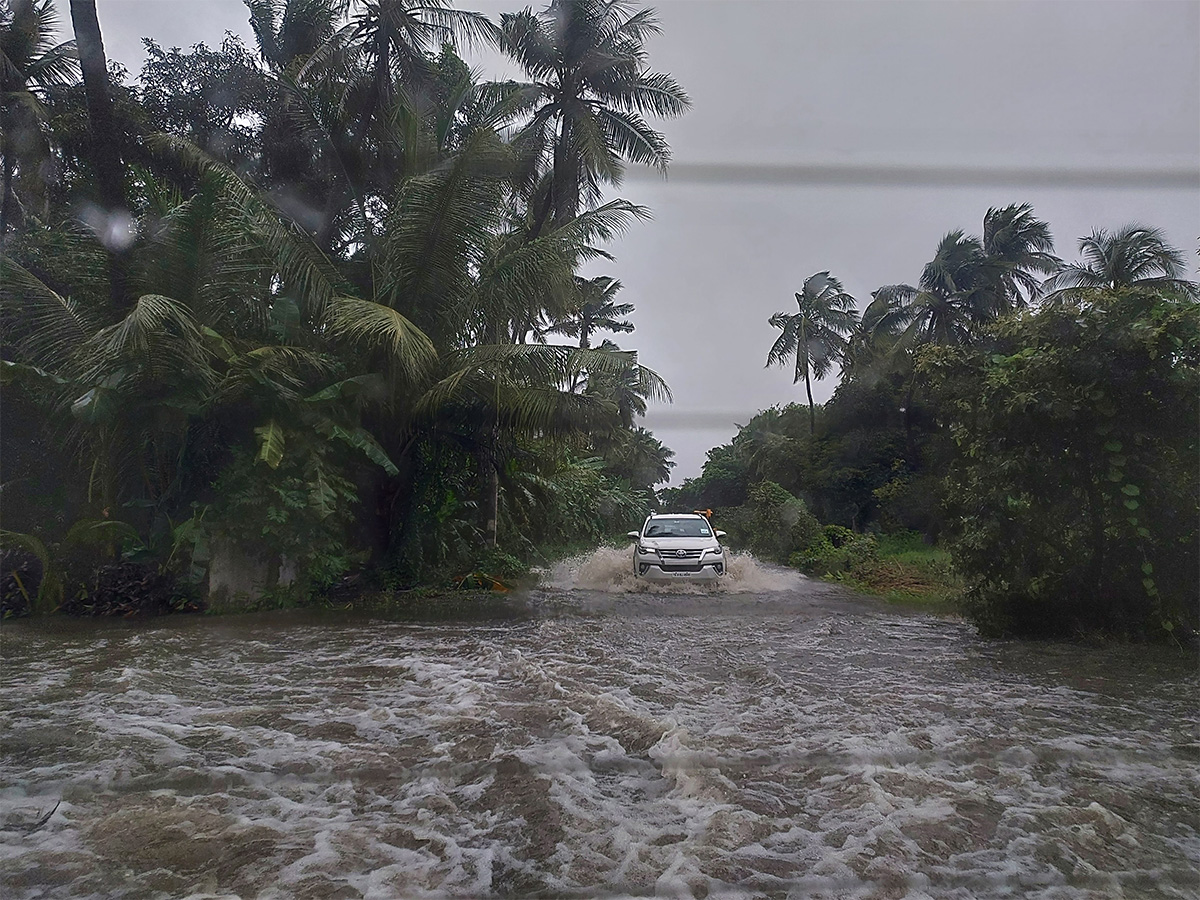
{"x": 286, "y": 318}
{"x": 310, "y": 319}
{"x": 1037, "y": 423}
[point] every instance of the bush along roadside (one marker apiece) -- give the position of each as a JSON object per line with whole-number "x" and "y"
{"x": 899, "y": 567}
{"x": 98, "y": 568}
{"x": 778, "y": 527}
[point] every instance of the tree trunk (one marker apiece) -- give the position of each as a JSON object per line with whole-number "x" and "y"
{"x": 491, "y": 506}
{"x": 8, "y": 200}
{"x": 323, "y": 237}
{"x": 566, "y": 179}
{"x": 543, "y": 213}
{"x": 103, "y": 150}
{"x": 910, "y": 396}
{"x": 803, "y": 347}
{"x": 553, "y": 199}
{"x": 489, "y": 488}
{"x": 812, "y": 415}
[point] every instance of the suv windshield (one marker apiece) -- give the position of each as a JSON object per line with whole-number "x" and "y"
{"x": 678, "y": 528}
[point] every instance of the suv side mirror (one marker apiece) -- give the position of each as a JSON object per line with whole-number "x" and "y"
{"x": 634, "y": 535}
{"x": 719, "y": 534}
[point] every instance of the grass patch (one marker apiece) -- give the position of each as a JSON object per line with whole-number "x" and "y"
{"x": 907, "y": 571}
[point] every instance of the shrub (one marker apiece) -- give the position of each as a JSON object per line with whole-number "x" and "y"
{"x": 20, "y": 578}
{"x": 299, "y": 514}
{"x": 1073, "y": 499}
{"x": 126, "y": 589}
{"x": 778, "y": 524}
{"x": 839, "y": 551}
{"x": 837, "y": 535}
{"x": 498, "y": 564}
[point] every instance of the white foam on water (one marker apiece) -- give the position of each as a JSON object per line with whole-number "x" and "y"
{"x": 705, "y": 755}
{"x": 610, "y": 570}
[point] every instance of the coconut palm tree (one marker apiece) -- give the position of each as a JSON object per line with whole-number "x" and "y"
{"x": 622, "y": 383}
{"x": 1018, "y": 252}
{"x": 950, "y": 299}
{"x": 290, "y": 31}
{"x": 446, "y": 270}
{"x": 288, "y": 34}
{"x": 597, "y": 311}
{"x": 241, "y": 335}
{"x": 590, "y": 92}
{"x": 877, "y": 333}
{"x": 31, "y": 61}
{"x": 1134, "y": 256}
{"x": 814, "y": 335}
{"x": 968, "y": 283}
{"x": 637, "y": 456}
{"x": 206, "y": 333}
{"x": 394, "y": 40}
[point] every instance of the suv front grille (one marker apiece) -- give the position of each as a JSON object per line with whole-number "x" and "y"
{"x": 681, "y": 555}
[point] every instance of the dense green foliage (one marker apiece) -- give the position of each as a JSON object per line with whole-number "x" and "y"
{"x": 1046, "y": 432}
{"x": 286, "y": 309}
{"x": 772, "y": 523}
{"x": 1073, "y": 495}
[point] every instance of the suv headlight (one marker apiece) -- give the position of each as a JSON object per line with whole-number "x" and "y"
{"x": 645, "y": 551}
{"x": 715, "y": 551}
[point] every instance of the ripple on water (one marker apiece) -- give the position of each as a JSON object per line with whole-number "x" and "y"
{"x": 826, "y": 747}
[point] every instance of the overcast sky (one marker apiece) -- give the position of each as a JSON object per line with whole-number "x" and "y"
{"x": 882, "y": 125}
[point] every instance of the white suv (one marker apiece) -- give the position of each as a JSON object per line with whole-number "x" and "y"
{"x": 678, "y": 548}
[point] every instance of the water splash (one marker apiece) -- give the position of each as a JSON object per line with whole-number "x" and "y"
{"x": 610, "y": 570}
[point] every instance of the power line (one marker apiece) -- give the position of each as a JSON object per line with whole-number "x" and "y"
{"x": 1071, "y": 177}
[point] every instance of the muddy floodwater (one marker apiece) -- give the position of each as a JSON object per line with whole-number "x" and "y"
{"x": 776, "y": 738}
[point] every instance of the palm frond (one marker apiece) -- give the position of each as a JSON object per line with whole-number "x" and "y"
{"x": 152, "y": 319}
{"x": 300, "y": 263}
{"x": 47, "y": 328}
{"x": 630, "y": 135}
{"x": 653, "y": 93}
{"x": 787, "y": 343}
{"x": 383, "y": 328}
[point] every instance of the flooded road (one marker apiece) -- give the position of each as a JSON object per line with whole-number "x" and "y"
{"x": 780, "y": 738}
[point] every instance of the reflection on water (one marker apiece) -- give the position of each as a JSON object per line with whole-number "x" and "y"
{"x": 789, "y": 742}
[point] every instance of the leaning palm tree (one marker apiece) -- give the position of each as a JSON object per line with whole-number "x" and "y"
{"x": 590, "y": 92}
{"x": 815, "y": 335}
{"x": 949, "y": 300}
{"x": 877, "y": 333}
{"x": 31, "y": 61}
{"x": 1134, "y": 256}
{"x": 1017, "y": 249}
